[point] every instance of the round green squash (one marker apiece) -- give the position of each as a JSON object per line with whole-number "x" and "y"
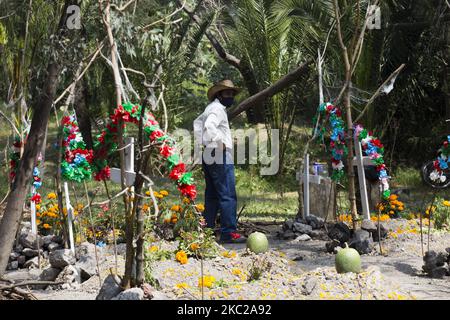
{"x": 257, "y": 242}
{"x": 348, "y": 260}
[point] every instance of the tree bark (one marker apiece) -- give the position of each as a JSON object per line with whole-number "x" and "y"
{"x": 82, "y": 112}
{"x": 275, "y": 88}
{"x": 13, "y": 211}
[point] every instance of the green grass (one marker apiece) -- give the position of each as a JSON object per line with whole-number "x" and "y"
{"x": 407, "y": 177}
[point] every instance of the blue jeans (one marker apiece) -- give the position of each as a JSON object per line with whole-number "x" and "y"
{"x": 220, "y": 193}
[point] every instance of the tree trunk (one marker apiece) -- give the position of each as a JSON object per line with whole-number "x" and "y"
{"x": 82, "y": 112}
{"x": 13, "y": 211}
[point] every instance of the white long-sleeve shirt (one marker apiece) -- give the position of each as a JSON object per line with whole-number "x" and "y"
{"x": 211, "y": 128}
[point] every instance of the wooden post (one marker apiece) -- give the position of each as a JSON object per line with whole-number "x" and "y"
{"x": 69, "y": 216}
{"x": 306, "y": 188}
{"x": 33, "y": 213}
{"x": 362, "y": 179}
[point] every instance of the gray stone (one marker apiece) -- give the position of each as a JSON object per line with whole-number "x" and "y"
{"x": 28, "y": 240}
{"x": 32, "y": 263}
{"x": 438, "y": 273}
{"x": 46, "y": 240}
{"x": 368, "y": 225}
{"x": 13, "y": 265}
{"x": 22, "y": 275}
{"x": 58, "y": 239}
{"x": 49, "y": 274}
{"x": 18, "y": 248}
{"x": 361, "y": 241}
{"x": 315, "y": 222}
{"x": 130, "y": 294}
{"x": 21, "y": 260}
{"x": 288, "y": 235}
{"x": 53, "y": 246}
{"x": 309, "y": 285}
{"x": 302, "y": 228}
{"x": 87, "y": 266}
{"x": 30, "y": 253}
{"x": 70, "y": 276}
{"x": 383, "y": 232}
{"x": 315, "y": 234}
{"x": 303, "y": 237}
{"x": 329, "y": 246}
{"x": 287, "y": 225}
{"x": 61, "y": 258}
{"x": 110, "y": 288}
{"x": 13, "y": 256}
{"x": 341, "y": 232}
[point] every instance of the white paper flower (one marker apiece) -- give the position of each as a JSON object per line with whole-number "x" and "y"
{"x": 434, "y": 175}
{"x": 443, "y": 178}
{"x": 338, "y": 166}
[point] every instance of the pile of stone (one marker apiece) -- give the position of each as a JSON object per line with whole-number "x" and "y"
{"x": 112, "y": 290}
{"x": 437, "y": 265}
{"x": 362, "y": 240}
{"x": 302, "y": 229}
{"x": 58, "y": 264}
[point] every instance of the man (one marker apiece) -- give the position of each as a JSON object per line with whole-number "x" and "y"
{"x": 213, "y": 130}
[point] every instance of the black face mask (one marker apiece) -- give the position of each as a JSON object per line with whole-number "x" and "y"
{"x": 227, "y": 102}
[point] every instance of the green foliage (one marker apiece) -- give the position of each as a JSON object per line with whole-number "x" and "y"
{"x": 201, "y": 244}
{"x": 441, "y": 216}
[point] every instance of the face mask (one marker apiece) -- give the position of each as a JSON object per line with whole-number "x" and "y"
{"x": 227, "y": 102}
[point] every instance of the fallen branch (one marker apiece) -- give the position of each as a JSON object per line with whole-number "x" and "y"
{"x": 30, "y": 283}
{"x": 275, "y": 88}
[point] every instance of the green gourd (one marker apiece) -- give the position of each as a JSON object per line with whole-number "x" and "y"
{"x": 257, "y": 242}
{"x": 348, "y": 260}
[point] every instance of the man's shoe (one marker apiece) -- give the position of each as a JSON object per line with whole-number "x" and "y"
{"x": 235, "y": 238}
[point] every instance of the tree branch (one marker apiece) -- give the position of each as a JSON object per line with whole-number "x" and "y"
{"x": 276, "y": 87}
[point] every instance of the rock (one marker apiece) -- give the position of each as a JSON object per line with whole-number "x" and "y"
{"x": 61, "y": 258}
{"x": 383, "y": 232}
{"x": 21, "y": 260}
{"x": 53, "y": 246}
{"x": 288, "y": 235}
{"x": 70, "y": 276}
{"x": 368, "y": 225}
{"x": 361, "y": 242}
{"x": 46, "y": 240}
{"x": 58, "y": 240}
{"x": 87, "y": 266}
{"x": 438, "y": 273}
{"x": 287, "y": 225}
{"x": 18, "y": 248}
{"x": 32, "y": 263}
{"x": 49, "y": 274}
{"x": 22, "y": 275}
{"x": 110, "y": 288}
{"x": 329, "y": 246}
{"x": 341, "y": 232}
{"x": 130, "y": 294}
{"x": 302, "y": 228}
{"x": 13, "y": 256}
{"x": 30, "y": 253}
{"x": 84, "y": 248}
{"x": 337, "y": 249}
{"x": 28, "y": 240}
{"x": 314, "y": 221}
{"x": 309, "y": 285}
{"x": 13, "y": 265}
{"x": 315, "y": 234}
{"x": 303, "y": 237}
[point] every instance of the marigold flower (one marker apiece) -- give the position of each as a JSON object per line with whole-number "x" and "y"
{"x": 153, "y": 248}
{"x": 47, "y": 226}
{"x": 176, "y": 208}
{"x": 167, "y": 220}
{"x": 200, "y": 207}
{"x": 80, "y": 206}
{"x": 186, "y": 200}
{"x": 194, "y": 246}
{"x": 38, "y": 222}
{"x": 181, "y": 257}
{"x": 147, "y": 193}
{"x": 393, "y": 197}
{"x": 391, "y": 212}
{"x": 145, "y": 207}
{"x": 182, "y": 285}
{"x": 446, "y": 203}
{"x": 51, "y": 195}
{"x": 38, "y": 207}
{"x": 206, "y": 281}
{"x": 236, "y": 272}
{"x": 164, "y": 193}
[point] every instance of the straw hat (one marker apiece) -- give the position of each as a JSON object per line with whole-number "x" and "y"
{"x": 220, "y": 86}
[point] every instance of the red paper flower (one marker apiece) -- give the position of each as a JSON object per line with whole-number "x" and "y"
{"x": 377, "y": 143}
{"x": 177, "y": 171}
{"x": 166, "y": 151}
{"x": 156, "y": 134}
{"x": 188, "y": 190}
{"x": 36, "y": 198}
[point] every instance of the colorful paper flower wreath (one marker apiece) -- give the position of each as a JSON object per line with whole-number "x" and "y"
{"x": 373, "y": 148}
{"x": 107, "y": 142}
{"x": 442, "y": 163}
{"x": 75, "y": 165}
{"x": 332, "y": 116}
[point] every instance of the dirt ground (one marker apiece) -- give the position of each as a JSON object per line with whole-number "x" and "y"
{"x": 293, "y": 270}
